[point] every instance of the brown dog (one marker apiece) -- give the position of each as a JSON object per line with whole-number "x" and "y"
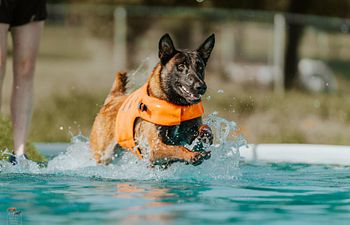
{"x": 178, "y": 80}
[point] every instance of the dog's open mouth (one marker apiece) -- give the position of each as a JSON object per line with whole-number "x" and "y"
{"x": 186, "y": 93}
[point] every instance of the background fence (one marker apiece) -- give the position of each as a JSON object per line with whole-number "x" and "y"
{"x": 246, "y": 40}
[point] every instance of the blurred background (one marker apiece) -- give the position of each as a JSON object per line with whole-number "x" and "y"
{"x": 280, "y": 69}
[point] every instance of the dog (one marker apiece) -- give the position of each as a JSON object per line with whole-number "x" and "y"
{"x": 165, "y": 113}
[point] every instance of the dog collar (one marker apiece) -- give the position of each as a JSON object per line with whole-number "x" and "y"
{"x": 140, "y": 105}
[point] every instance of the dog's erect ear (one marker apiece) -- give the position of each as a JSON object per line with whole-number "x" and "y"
{"x": 205, "y": 49}
{"x": 166, "y": 49}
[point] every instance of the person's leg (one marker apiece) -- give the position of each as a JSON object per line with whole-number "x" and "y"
{"x": 26, "y": 40}
{"x": 3, "y": 51}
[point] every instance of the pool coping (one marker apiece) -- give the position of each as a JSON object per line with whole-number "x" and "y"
{"x": 271, "y": 153}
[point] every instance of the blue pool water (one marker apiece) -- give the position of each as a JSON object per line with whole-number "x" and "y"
{"x": 73, "y": 190}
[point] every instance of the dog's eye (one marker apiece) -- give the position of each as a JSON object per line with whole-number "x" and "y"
{"x": 180, "y": 67}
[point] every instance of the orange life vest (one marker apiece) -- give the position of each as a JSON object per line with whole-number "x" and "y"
{"x": 140, "y": 105}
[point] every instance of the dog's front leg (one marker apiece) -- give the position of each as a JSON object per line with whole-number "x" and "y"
{"x": 170, "y": 153}
{"x": 160, "y": 152}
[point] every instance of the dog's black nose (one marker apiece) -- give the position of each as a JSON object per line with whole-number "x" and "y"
{"x": 200, "y": 87}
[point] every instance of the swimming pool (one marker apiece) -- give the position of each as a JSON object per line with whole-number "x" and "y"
{"x": 73, "y": 190}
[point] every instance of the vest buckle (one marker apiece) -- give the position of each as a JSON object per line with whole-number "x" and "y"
{"x": 142, "y": 107}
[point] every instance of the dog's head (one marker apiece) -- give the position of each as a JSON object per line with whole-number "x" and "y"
{"x": 182, "y": 71}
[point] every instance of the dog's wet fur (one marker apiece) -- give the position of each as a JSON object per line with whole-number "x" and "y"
{"x": 178, "y": 78}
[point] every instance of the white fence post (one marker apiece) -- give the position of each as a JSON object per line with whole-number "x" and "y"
{"x": 278, "y": 53}
{"x": 228, "y": 33}
{"x": 120, "y": 39}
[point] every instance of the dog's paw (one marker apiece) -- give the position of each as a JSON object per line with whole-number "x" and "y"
{"x": 199, "y": 157}
{"x": 204, "y": 139}
{"x": 205, "y": 134}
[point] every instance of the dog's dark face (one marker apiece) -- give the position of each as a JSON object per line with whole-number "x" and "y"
{"x": 182, "y": 73}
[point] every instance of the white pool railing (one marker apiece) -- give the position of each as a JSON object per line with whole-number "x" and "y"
{"x": 297, "y": 153}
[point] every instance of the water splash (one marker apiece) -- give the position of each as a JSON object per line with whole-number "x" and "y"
{"x": 225, "y": 132}
{"x": 76, "y": 160}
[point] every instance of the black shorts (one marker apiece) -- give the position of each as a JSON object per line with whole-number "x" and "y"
{"x": 20, "y": 12}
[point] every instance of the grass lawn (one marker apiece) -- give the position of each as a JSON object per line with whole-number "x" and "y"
{"x": 74, "y": 74}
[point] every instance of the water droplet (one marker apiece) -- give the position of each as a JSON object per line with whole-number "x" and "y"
{"x": 61, "y": 128}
